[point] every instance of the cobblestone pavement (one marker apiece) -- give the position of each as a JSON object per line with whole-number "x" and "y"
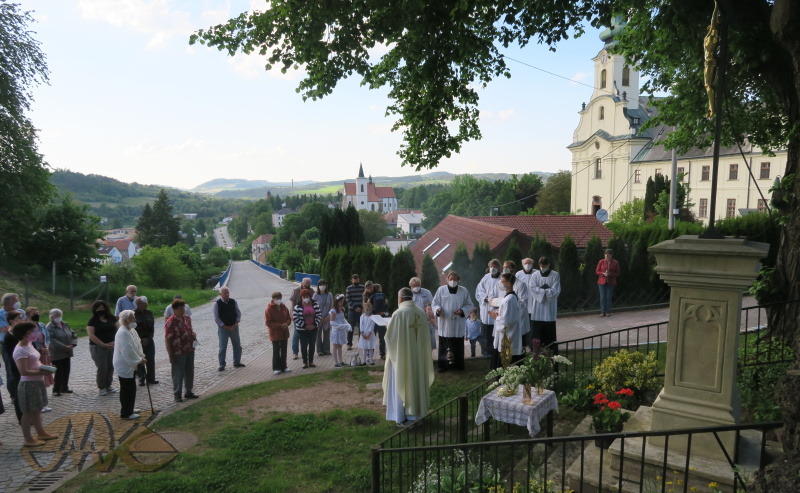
{"x": 90, "y": 426}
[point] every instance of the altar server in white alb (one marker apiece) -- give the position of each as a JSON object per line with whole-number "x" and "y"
{"x": 524, "y": 276}
{"x": 523, "y": 293}
{"x": 545, "y": 286}
{"x": 506, "y": 321}
{"x": 488, "y": 288}
{"x": 451, "y": 305}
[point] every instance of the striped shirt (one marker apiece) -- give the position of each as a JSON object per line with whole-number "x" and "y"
{"x": 354, "y": 295}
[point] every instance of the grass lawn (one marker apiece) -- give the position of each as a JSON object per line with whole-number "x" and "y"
{"x": 277, "y": 451}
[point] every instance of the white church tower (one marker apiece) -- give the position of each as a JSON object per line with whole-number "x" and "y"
{"x": 361, "y": 188}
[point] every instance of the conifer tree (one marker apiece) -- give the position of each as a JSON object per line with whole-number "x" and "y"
{"x": 513, "y": 253}
{"x": 403, "y": 269}
{"x": 591, "y": 256}
{"x": 382, "y": 269}
{"x": 429, "y": 276}
{"x": 541, "y": 248}
{"x": 569, "y": 269}
{"x": 156, "y": 226}
{"x": 461, "y": 265}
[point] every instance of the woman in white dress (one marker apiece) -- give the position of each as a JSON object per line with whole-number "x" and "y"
{"x": 339, "y": 330}
{"x": 506, "y": 321}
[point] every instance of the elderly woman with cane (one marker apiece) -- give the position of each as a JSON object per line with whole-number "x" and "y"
{"x": 128, "y": 355}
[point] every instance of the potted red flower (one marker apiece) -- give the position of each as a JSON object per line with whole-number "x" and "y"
{"x": 610, "y": 417}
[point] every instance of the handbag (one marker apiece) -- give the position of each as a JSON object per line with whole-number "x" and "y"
{"x": 355, "y": 359}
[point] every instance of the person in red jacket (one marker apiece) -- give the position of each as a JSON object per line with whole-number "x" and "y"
{"x": 607, "y": 272}
{"x": 278, "y": 320}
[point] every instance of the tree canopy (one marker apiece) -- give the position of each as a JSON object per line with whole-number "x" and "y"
{"x": 156, "y": 226}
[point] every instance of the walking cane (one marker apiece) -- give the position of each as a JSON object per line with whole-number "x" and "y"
{"x": 147, "y": 383}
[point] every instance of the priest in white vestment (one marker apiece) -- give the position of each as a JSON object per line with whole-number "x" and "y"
{"x": 408, "y": 374}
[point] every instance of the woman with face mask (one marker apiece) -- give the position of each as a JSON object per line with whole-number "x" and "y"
{"x": 451, "y": 305}
{"x": 102, "y": 328}
{"x": 307, "y": 318}
{"x": 62, "y": 343}
{"x": 325, "y": 301}
{"x": 128, "y": 355}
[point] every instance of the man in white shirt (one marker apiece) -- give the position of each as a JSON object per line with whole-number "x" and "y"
{"x": 488, "y": 288}
{"x": 545, "y": 286}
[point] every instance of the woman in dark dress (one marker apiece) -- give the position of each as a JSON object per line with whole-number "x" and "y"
{"x": 102, "y": 328}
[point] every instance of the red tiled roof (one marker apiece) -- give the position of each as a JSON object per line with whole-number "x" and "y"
{"x": 263, "y": 239}
{"x": 384, "y": 192}
{"x": 554, "y": 228}
{"x": 374, "y": 194}
{"x": 122, "y": 245}
{"x": 349, "y": 188}
{"x": 456, "y": 229}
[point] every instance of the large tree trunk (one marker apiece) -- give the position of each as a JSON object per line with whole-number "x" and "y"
{"x": 783, "y": 474}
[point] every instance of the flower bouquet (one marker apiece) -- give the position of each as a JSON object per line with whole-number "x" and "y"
{"x": 610, "y": 417}
{"x": 534, "y": 370}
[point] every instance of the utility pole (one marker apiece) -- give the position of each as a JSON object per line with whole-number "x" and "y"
{"x": 673, "y": 191}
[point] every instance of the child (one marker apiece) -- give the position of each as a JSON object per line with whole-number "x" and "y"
{"x": 473, "y": 330}
{"x": 339, "y": 330}
{"x": 366, "y": 340}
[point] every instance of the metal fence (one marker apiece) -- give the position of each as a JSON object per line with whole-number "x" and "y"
{"x": 452, "y": 425}
{"x": 574, "y": 463}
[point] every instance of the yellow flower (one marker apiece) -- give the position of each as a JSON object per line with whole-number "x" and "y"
{"x": 712, "y": 484}
{"x": 658, "y": 478}
{"x": 680, "y": 481}
{"x": 669, "y": 482}
{"x": 692, "y": 468}
{"x": 693, "y": 488}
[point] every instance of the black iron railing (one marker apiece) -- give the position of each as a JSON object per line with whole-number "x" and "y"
{"x": 546, "y": 465}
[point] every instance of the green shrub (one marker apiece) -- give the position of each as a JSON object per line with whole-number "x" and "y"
{"x": 633, "y": 370}
{"x": 757, "y": 383}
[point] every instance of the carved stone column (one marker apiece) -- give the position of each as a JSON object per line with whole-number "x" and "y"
{"x": 707, "y": 278}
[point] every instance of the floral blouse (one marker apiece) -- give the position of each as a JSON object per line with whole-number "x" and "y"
{"x": 179, "y": 334}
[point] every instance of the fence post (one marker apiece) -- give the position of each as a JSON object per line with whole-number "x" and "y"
{"x": 463, "y": 418}
{"x": 376, "y": 469}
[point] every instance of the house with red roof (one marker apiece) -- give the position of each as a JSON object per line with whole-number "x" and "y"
{"x": 127, "y": 248}
{"x": 441, "y": 241}
{"x": 364, "y": 195}
{"x": 260, "y": 247}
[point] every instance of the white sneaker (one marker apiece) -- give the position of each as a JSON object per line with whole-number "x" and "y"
{"x": 103, "y": 392}
{"x": 287, "y": 370}
{"x": 111, "y": 390}
{"x": 277, "y": 372}
{"x": 137, "y": 411}
{"x": 46, "y": 409}
{"x": 133, "y": 416}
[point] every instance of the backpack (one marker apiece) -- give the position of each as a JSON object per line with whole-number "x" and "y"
{"x": 355, "y": 359}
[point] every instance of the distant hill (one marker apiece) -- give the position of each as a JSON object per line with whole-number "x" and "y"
{"x": 97, "y": 188}
{"x": 255, "y": 189}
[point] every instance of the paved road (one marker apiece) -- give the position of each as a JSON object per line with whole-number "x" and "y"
{"x": 251, "y": 287}
{"x": 223, "y": 238}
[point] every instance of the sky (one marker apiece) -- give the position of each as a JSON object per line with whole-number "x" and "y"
{"x": 130, "y": 99}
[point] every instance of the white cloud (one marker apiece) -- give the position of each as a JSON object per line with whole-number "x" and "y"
{"x": 153, "y": 18}
{"x": 505, "y": 115}
{"x": 380, "y": 129}
{"x": 579, "y": 77}
{"x": 501, "y": 116}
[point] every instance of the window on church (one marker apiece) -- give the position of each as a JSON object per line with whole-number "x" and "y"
{"x": 658, "y": 171}
{"x": 733, "y": 172}
{"x": 706, "y": 173}
{"x": 362, "y": 188}
{"x": 626, "y": 76}
{"x": 731, "y": 210}
{"x": 637, "y": 176}
{"x": 603, "y": 79}
{"x": 602, "y": 113}
{"x": 598, "y": 169}
{"x": 703, "y": 208}
{"x": 681, "y": 174}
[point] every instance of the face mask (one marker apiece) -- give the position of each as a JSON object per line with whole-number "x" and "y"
{"x": 415, "y": 289}
{"x": 527, "y": 267}
{"x": 322, "y": 288}
{"x": 57, "y": 320}
{"x": 306, "y": 300}
{"x": 493, "y": 271}
{"x": 17, "y": 305}
{"x": 452, "y": 284}
{"x": 367, "y": 312}
{"x": 132, "y": 325}
{"x": 502, "y": 286}
{"x": 100, "y": 312}
{"x": 32, "y": 337}
{"x": 278, "y": 302}
{"x": 506, "y": 270}
{"x": 35, "y": 318}
{"x": 544, "y": 269}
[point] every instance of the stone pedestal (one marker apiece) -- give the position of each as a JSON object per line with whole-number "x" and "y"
{"x": 707, "y": 277}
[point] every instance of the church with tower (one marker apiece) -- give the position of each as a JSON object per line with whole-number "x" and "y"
{"x": 364, "y": 195}
{"x": 612, "y": 157}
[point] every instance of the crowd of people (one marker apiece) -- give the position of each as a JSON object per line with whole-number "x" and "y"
{"x": 514, "y": 307}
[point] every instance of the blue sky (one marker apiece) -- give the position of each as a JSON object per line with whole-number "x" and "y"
{"x": 129, "y": 98}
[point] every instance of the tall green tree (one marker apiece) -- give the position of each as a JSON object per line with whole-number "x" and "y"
{"x": 540, "y": 247}
{"x": 157, "y": 227}
{"x": 373, "y": 225}
{"x": 383, "y": 267}
{"x": 429, "y": 275}
{"x": 569, "y": 270}
{"x": 554, "y": 198}
{"x": 461, "y": 264}
{"x": 24, "y": 179}
{"x": 513, "y": 253}
{"x": 403, "y": 269}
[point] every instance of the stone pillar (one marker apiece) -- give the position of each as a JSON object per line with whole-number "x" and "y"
{"x": 707, "y": 277}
